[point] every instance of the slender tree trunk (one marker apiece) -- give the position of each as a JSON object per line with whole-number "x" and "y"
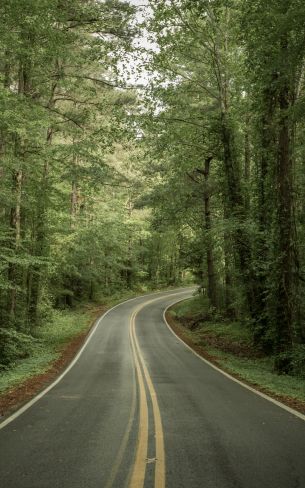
{"x": 285, "y": 242}
{"x": 212, "y": 287}
{"x": 236, "y": 210}
{"x": 7, "y": 71}
{"x": 266, "y": 204}
{"x": 247, "y": 163}
{"x": 235, "y": 198}
{"x": 40, "y": 247}
{"x": 74, "y": 208}
{"x": 14, "y": 271}
{"x": 74, "y": 203}
{"x": 228, "y": 279}
{"x": 34, "y": 279}
{"x": 129, "y": 261}
{"x": 15, "y": 225}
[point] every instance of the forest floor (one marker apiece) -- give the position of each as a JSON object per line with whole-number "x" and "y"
{"x": 228, "y": 346}
{"x": 58, "y": 341}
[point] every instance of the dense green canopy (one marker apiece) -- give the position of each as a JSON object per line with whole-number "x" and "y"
{"x": 197, "y": 174}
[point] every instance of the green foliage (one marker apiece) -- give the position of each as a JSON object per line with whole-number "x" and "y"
{"x": 198, "y": 174}
{"x": 65, "y": 161}
{"x": 227, "y": 88}
{"x": 292, "y": 362}
{"x": 230, "y": 344}
{"x": 28, "y": 356}
{"x": 191, "y": 308}
{"x": 14, "y": 346}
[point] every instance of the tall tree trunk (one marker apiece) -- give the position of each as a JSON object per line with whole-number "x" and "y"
{"x": 74, "y": 202}
{"x": 266, "y": 203}
{"x": 129, "y": 257}
{"x": 236, "y": 210}
{"x": 34, "y": 279}
{"x": 212, "y": 287}
{"x": 15, "y": 225}
{"x": 40, "y": 247}
{"x": 247, "y": 163}
{"x": 14, "y": 271}
{"x": 228, "y": 279}
{"x": 285, "y": 264}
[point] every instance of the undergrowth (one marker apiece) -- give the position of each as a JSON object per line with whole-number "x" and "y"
{"x": 28, "y": 356}
{"x": 231, "y": 345}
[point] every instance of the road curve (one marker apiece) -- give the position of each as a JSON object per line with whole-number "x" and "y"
{"x": 140, "y": 410}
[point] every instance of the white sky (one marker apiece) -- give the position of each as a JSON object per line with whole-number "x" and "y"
{"x": 133, "y": 68}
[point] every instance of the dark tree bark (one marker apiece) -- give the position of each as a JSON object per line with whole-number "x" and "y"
{"x": 228, "y": 280}
{"x": 236, "y": 210}
{"x": 40, "y": 244}
{"x": 285, "y": 264}
{"x": 15, "y": 225}
{"x": 247, "y": 162}
{"x": 267, "y": 163}
{"x": 212, "y": 286}
{"x": 40, "y": 247}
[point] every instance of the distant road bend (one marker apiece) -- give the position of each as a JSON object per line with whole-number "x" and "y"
{"x": 139, "y": 410}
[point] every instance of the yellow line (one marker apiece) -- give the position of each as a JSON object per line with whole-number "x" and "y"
{"x": 160, "y": 453}
{"x": 121, "y": 451}
{"x": 139, "y": 468}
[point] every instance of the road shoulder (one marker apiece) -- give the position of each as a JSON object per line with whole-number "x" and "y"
{"x": 217, "y": 359}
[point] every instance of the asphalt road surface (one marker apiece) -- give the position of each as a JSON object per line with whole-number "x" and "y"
{"x": 140, "y": 410}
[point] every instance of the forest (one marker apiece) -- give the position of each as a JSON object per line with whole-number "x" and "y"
{"x": 150, "y": 144}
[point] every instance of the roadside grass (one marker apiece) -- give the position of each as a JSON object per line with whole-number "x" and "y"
{"x": 50, "y": 340}
{"x": 229, "y": 344}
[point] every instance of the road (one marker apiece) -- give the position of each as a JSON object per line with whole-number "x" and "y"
{"x": 140, "y": 410}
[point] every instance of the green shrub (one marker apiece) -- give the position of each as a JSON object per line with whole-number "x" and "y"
{"x": 13, "y": 346}
{"x": 292, "y": 362}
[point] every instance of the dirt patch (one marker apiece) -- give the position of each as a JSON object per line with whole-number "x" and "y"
{"x": 177, "y": 327}
{"x": 192, "y": 323}
{"x": 240, "y": 349}
{"x": 14, "y": 398}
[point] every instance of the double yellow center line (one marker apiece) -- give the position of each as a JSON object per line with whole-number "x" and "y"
{"x": 143, "y": 376}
